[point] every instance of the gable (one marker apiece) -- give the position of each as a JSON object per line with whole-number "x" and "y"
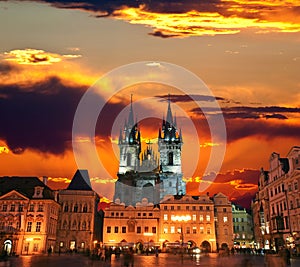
{"x": 13, "y": 195}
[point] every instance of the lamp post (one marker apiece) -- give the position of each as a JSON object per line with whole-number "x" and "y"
{"x": 181, "y": 219}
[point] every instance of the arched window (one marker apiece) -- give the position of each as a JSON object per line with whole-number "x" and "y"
{"x": 74, "y": 225}
{"x": 84, "y": 208}
{"x": 128, "y": 159}
{"x": 66, "y": 208}
{"x": 75, "y": 208}
{"x": 170, "y": 158}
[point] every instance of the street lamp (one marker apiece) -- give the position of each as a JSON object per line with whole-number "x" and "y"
{"x": 181, "y": 219}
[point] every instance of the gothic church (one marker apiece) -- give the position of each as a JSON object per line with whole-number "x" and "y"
{"x": 144, "y": 174}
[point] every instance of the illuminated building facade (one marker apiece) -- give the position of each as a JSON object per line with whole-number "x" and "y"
{"x": 242, "y": 227}
{"x": 177, "y": 222}
{"x": 28, "y": 215}
{"x": 223, "y": 221}
{"x": 145, "y": 175}
{"x": 79, "y": 224}
{"x": 277, "y": 203}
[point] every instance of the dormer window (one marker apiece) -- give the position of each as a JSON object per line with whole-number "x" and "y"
{"x": 38, "y": 192}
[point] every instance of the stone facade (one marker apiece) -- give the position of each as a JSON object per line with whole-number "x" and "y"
{"x": 277, "y": 204}
{"x": 79, "y": 222}
{"x": 177, "y": 222}
{"x": 28, "y": 216}
{"x": 242, "y": 227}
{"x": 145, "y": 174}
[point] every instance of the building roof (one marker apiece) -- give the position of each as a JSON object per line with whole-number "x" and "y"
{"x": 24, "y": 185}
{"x": 80, "y": 181}
{"x": 186, "y": 199}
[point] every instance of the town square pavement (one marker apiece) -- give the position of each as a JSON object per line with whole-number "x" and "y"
{"x": 163, "y": 260}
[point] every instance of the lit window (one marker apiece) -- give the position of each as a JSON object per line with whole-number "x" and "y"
{"x": 29, "y": 225}
{"x": 194, "y": 217}
{"x": 40, "y": 208}
{"x": 201, "y": 229}
{"x": 208, "y": 218}
{"x": 172, "y": 229}
{"x": 194, "y": 230}
{"x": 38, "y": 227}
{"x": 165, "y": 217}
{"x": 201, "y": 218}
{"x": 165, "y": 229}
{"x": 225, "y": 219}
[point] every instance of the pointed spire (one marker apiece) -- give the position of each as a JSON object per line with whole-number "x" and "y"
{"x": 169, "y": 113}
{"x": 130, "y": 116}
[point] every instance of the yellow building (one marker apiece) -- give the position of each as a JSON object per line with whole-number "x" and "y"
{"x": 28, "y": 215}
{"x": 177, "y": 222}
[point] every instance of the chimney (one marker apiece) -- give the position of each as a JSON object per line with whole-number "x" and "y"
{"x": 45, "y": 180}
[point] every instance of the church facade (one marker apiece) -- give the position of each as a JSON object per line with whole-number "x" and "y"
{"x": 147, "y": 174}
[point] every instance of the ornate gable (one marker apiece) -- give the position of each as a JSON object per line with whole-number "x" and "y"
{"x": 13, "y": 195}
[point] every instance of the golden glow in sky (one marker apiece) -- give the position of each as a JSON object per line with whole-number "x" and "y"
{"x": 232, "y": 18}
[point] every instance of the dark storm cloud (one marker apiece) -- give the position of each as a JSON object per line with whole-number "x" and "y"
{"x": 40, "y": 116}
{"x": 244, "y": 112}
{"x": 190, "y": 98}
{"x": 160, "y": 6}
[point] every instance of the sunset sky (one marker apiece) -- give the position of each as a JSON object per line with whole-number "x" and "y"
{"x": 247, "y": 54}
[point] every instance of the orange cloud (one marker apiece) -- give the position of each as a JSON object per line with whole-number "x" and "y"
{"x": 35, "y": 56}
{"x": 231, "y": 17}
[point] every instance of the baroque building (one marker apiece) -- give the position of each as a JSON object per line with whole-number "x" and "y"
{"x": 276, "y": 207}
{"x": 79, "y": 222}
{"x": 177, "y": 222}
{"x": 242, "y": 227}
{"x": 146, "y": 174}
{"x": 29, "y": 213}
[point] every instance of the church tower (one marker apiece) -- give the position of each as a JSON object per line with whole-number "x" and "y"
{"x": 169, "y": 146}
{"x": 130, "y": 145}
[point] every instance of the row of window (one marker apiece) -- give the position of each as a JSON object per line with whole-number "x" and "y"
{"x": 76, "y": 208}
{"x": 123, "y": 229}
{"x": 189, "y": 208}
{"x": 239, "y": 219}
{"x": 139, "y": 214}
{"x": 76, "y": 225}
{"x": 237, "y": 228}
{"x": 280, "y": 188}
{"x": 188, "y": 230}
{"x": 193, "y": 218}
{"x": 20, "y": 208}
{"x": 29, "y": 227}
{"x": 9, "y": 226}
